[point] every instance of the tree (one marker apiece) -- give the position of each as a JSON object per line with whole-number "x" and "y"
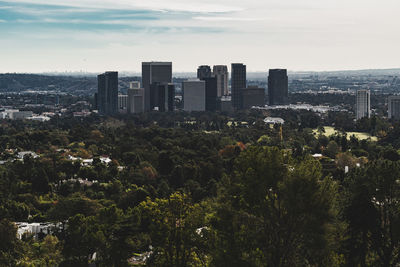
{"x": 175, "y": 231}
{"x": 10, "y": 245}
{"x": 276, "y": 212}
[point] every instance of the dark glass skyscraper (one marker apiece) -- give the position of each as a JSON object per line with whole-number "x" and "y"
{"x": 238, "y": 84}
{"x": 211, "y": 93}
{"x": 203, "y": 72}
{"x": 278, "y": 87}
{"x": 107, "y": 93}
{"x": 162, "y": 96}
{"x": 154, "y": 72}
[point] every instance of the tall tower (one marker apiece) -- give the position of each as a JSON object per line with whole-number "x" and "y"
{"x": 222, "y": 75}
{"x": 107, "y": 94}
{"x": 238, "y": 84}
{"x": 278, "y": 87}
{"x": 363, "y": 104}
{"x": 154, "y": 72}
{"x": 194, "y": 95}
{"x": 394, "y": 107}
{"x": 203, "y": 72}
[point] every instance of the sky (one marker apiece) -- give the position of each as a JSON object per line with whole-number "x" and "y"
{"x": 98, "y": 35}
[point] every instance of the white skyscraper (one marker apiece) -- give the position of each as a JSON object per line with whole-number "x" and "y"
{"x": 222, "y": 75}
{"x": 363, "y": 104}
{"x": 394, "y": 107}
{"x": 194, "y": 95}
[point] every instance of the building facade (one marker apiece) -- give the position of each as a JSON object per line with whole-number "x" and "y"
{"x": 278, "y": 87}
{"x": 203, "y": 72}
{"x": 238, "y": 84}
{"x": 123, "y": 103}
{"x": 152, "y": 73}
{"x": 222, "y": 75}
{"x": 253, "y": 96}
{"x": 394, "y": 107}
{"x": 107, "y": 93}
{"x": 162, "y": 96}
{"x": 363, "y": 104}
{"x": 194, "y": 95}
{"x": 135, "y": 100}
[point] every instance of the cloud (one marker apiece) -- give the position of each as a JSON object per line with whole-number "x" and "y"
{"x": 2, "y": 21}
{"x": 227, "y": 19}
{"x": 168, "y": 5}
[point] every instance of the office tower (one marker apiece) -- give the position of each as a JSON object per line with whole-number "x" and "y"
{"x": 122, "y": 103}
{"x": 211, "y": 93}
{"x": 253, "y": 96}
{"x": 135, "y": 100}
{"x": 394, "y": 107}
{"x": 222, "y": 75}
{"x": 203, "y": 72}
{"x": 238, "y": 84}
{"x": 162, "y": 96}
{"x": 134, "y": 85}
{"x": 278, "y": 87}
{"x": 194, "y": 95}
{"x": 363, "y": 104}
{"x": 107, "y": 94}
{"x": 154, "y": 72}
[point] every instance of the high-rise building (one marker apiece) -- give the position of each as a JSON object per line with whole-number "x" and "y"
{"x": 162, "y": 96}
{"x": 203, "y": 72}
{"x": 238, "y": 84}
{"x": 107, "y": 94}
{"x": 363, "y": 104}
{"x": 253, "y": 96}
{"x": 394, "y": 107}
{"x": 123, "y": 103}
{"x": 278, "y": 87}
{"x": 222, "y": 75}
{"x": 194, "y": 95}
{"x": 211, "y": 93}
{"x": 135, "y": 100}
{"x": 154, "y": 72}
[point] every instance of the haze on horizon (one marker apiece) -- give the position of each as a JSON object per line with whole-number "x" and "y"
{"x": 98, "y": 35}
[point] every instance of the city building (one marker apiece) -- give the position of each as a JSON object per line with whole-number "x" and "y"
{"x": 135, "y": 100}
{"x": 211, "y": 93}
{"x": 152, "y": 73}
{"x": 134, "y": 85}
{"x": 203, "y": 72}
{"x": 253, "y": 96}
{"x": 225, "y": 104}
{"x": 194, "y": 95}
{"x": 107, "y": 93}
{"x": 363, "y": 104}
{"x": 278, "y": 87}
{"x": 394, "y": 107}
{"x": 162, "y": 96}
{"x": 238, "y": 84}
{"x": 123, "y": 103}
{"x": 222, "y": 75}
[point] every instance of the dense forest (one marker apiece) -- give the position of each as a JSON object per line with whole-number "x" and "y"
{"x": 201, "y": 189}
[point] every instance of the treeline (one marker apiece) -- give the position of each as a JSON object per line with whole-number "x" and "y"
{"x": 198, "y": 193}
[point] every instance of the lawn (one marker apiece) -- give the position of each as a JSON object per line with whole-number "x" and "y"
{"x": 360, "y": 136}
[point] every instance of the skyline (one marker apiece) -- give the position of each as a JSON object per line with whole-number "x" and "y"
{"x": 94, "y": 36}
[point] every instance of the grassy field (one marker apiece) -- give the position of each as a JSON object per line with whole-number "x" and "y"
{"x": 360, "y": 136}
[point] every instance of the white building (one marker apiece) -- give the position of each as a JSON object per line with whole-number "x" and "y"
{"x": 363, "y": 104}
{"x": 222, "y": 75}
{"x": 122, "y": 103}
{"x": 394, "y": 107}
{"x": 194, "y": 95}
{"x": 134, "y": 85}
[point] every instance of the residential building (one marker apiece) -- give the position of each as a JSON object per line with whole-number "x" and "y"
{"x": 363, "y": 104}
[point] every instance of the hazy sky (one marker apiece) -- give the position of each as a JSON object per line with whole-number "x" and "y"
{"x": 99, "y": 35}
